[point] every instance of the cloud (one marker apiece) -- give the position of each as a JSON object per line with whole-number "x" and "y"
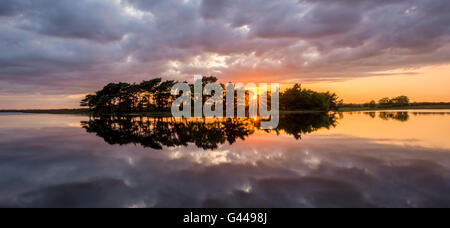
{"x": 63, "y": 47}
{"x": 47, "y": 165}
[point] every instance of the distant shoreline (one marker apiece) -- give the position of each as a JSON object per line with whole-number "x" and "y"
{"x": 418, "y": 107}
{"x": 47, "y": 111}
{"x": 87, "y": 112}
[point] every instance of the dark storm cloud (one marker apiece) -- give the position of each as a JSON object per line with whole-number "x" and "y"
{"x": 11, "y": 7}
{"x": 92, "y": 20}
{"x": 62, "y": 47}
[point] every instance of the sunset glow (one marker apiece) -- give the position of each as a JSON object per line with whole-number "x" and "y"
{"x": 374, "y": 50}
{"x": 427, "y": 84}
{"x": 233, "y": 104}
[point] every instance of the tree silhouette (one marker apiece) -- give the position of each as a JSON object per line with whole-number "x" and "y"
{"x": 399, "y": 101}
{"x": 155, "y": 96}
{"x": 296, "y": 98}
{"x": 207, "y": 134}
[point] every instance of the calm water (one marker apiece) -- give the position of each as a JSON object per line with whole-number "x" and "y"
{"x": 367, "y": 159}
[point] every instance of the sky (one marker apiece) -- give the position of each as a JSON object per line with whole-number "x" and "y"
{"x": 52, "y": 52}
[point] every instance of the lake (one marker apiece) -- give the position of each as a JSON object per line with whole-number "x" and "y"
{"x": 359, "y": 159}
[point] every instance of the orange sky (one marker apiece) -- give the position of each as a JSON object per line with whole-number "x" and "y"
{"x": 428, "y": 84}
{"x": 46, "y": 63}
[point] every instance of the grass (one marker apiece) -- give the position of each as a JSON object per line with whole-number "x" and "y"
{"x": 437, "y": 106}
{"x": 166, "y": 114}
{"x": 83, "y": 112}
{"x": 50, "y": 111}
{"x": 301, "y": 111}
{"x": 148, "y": 114}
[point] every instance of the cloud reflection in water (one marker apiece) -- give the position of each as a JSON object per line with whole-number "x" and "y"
{"x": 65, "y": 167}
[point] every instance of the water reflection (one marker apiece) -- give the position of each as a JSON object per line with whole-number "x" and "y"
{"x": 50, "y": 161}
{"x": 204, "y": 133}
{"x": 400, "y": 116}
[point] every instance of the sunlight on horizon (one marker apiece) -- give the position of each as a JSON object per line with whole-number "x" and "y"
{"x": 427, "y": 84}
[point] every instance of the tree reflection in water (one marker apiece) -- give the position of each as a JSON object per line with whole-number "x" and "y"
{"x": 400, "y": 116}
{"x": 207, "y": 134}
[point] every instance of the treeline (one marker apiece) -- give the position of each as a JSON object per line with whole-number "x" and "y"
{"x": 397, "y": 102}
{"x": 48, "y": 111}
{"x": 296, "y": 98}
{"x": 155, "y": 96}
{"x": 148, "y": 96}
{"x": 400, "y": 101}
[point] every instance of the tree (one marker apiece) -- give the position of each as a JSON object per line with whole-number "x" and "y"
{"x": 289, "y": 98}
{"x": 147, "y": 91}
{"x": 89, "y": 101}
{"x": 162, "y": 95}
{"x": 385, "y": 102}
{"x": 333, "y": 100}
{"x": 401, "y": 101}
{"x": 372, "y": 104}
{"x": 155, "y": 95}
{"x": 209, "y": 80}
{"x": 296, "y": 98}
